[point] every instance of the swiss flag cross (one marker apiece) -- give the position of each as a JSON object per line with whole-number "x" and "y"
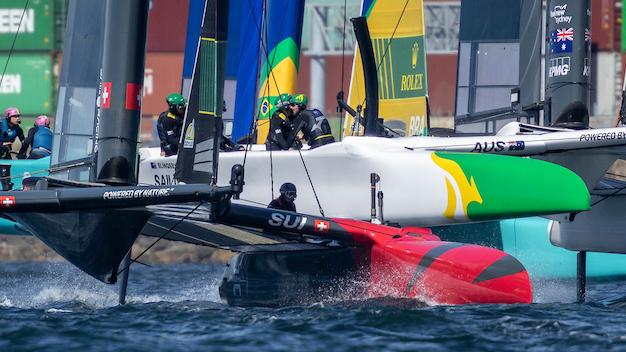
{"x": 133, "y": 96}
{"x": 7, "y": 201}
{"x": 106, "y": 95}
{"x": 321, "y": 226}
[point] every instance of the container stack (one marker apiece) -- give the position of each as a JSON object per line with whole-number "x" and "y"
{"x": 167, "y": 26}
{"x": 29, "y": 47}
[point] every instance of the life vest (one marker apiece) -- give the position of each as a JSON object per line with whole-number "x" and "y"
{"x": 8, "y": 134}
{"x": 42, "y": 139}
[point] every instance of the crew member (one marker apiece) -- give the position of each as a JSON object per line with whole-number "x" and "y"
{"x": 312, "y": 123}
{"x": 281, "y": 135}
{"x": 39, "y": 139}
{"x": 170, "y": 124}
{"x": 10, "y": 130}
{"x": 286, "y": 199}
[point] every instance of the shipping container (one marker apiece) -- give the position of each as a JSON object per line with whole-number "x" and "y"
{"x": 167, "y": 25}
{"x": 27, "y": 83}
{"x": 163, "y": 76}
{"x": 35, "y": 24}
{"x": 603, "y": 25}
{"x": 441, "y": 83}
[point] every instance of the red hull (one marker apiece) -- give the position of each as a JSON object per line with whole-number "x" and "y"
{"x": 414, "y": 263}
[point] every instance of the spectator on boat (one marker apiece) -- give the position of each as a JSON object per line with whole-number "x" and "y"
{"x": 10, "y": 130}
{"x": 286, "y": 199}
{"x": 312, "y": 123}
{"x": 281, "y": 135}
{"x": 170, "y": 124}
{"x": 39, "y": 138}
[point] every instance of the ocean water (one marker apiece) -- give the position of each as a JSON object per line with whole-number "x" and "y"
{"x": 54, "y": 307}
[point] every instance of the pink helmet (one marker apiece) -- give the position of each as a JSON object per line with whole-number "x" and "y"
{"x": 42, "y": 120}
{"x": 12, "y": 111}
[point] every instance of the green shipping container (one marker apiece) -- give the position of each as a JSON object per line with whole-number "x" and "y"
{"x": 36, "y": 25}
{"x": 27, "y": 83}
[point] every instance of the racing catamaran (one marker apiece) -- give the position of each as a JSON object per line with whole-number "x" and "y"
{"x": 92, "y": 211}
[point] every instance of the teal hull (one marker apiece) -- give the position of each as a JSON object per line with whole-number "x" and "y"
{"x": 527, "y": 239}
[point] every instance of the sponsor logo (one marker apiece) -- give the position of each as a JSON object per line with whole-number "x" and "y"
{"x": 287, "y": 221}
{"x": 321, "y": 226}
{"x": 559, "y": 66}
{"x": 412, "y": 82}
{"x": 415, "y": 50}
{"x": 10, "y": 21}
{"x": 137, "y": 193}
{"x": 559, "y": 14}
{"x": 589, "y": 137}
{"x": 164, "y": 180}
{"x": 159, "y": 165}
{"x": 11, "y": 84}
{"x": 562, "y": 40}
{"x": 189, "y": 136}
{"x": 106, "y": 95}
{"x": 7, "y": 201}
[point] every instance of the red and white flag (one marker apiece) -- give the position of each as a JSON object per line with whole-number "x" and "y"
{"x": 321, "y": 226}
{"x": 7, "y": 201}
{"x": 106, "y": 95}
{"x": 133, "y": 96}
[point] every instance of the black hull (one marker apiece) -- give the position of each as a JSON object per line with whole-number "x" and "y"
{"x": 94, "y": 241}
{"x": 298, "y": 274}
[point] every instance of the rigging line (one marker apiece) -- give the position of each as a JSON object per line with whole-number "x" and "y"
{"x": 133, "y": 260}
{"x": 311, "y": 182}
{"x": 6, "y": 65}
{"x": 343, "y": 42}
{"x": 382, "y": 59}
{"x": 257, "y": 26}
{"x": 608, "y": 196}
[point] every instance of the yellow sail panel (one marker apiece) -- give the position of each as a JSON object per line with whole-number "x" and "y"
{"x": 397, "y": 33}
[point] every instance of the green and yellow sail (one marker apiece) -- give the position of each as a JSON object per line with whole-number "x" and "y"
{"x": 397, "y": 33}
{"x": 280, "y": 57}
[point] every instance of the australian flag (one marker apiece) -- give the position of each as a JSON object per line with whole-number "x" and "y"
{"x": 561, "y": 40}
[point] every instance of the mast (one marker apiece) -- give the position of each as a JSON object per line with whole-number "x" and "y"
{"x": 568, "y": 56}
{"x": 122, "y": 82}
{"x": 372, "y": 127}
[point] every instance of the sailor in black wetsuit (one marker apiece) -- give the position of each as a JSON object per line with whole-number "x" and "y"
{"x": 286, "y": 199}
{"x": 312, "y": 123}
{"x": 281, "y": 135}
{"x": 170, "y": 124}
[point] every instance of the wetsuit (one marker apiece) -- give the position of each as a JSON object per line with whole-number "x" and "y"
{"x": 281, "y": 135}
{"x": 40, "y": 140}
{"x": 169, "y": 127}
{"x": 282, "y": 204}
{"x": 314, "y": 126}
{"x": 8, "y": 135}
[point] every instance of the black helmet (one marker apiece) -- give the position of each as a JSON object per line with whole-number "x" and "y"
{"x": 288, "y": 190}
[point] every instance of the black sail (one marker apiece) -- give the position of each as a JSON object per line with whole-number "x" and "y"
{"x": 199, "y": 145}
{"x": 79, "y": 84}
